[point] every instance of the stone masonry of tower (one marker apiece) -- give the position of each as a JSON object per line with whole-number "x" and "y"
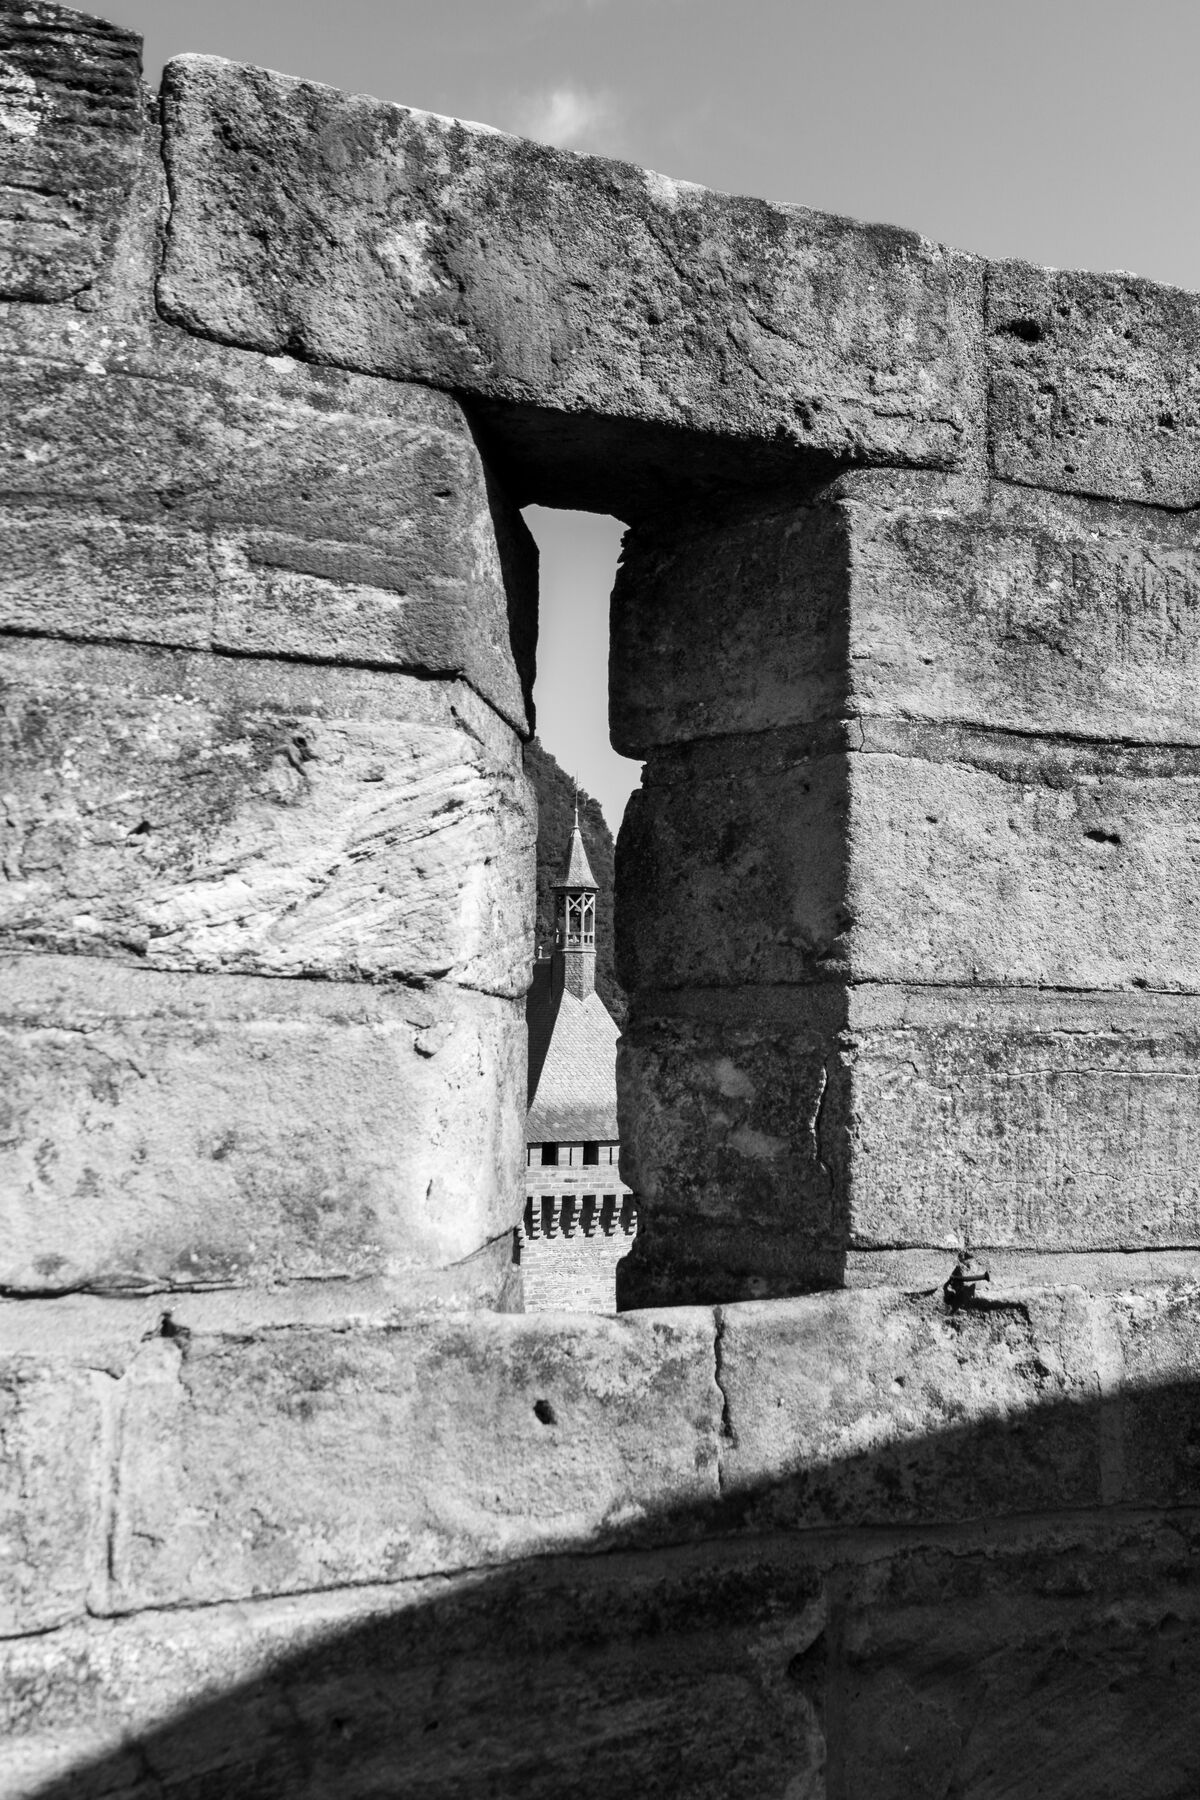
{"x": 580, "y": 1218}
{"x": 907, "y": 630}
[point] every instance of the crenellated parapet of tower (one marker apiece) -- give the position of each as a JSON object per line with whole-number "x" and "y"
{"x": 580, "y": 1215}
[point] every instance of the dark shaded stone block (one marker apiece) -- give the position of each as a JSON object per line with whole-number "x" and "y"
{"x": 72, "y": 141}
{"x": 913, "y": 595}
{"x": 768, "y": 1133}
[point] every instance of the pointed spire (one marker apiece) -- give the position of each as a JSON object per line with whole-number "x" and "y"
{"x": 573, "y": 964}
{"x": 577, "y": 871}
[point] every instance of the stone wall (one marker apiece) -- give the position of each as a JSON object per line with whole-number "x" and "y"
{"x": 904, "y": 629}
{"x": 853, "y": 1545}
{"x": 954, "y": 997}
{"x": 258, "y": 651}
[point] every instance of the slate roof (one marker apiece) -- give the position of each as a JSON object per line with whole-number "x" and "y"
{"x": 577, "y": 871}
{"x": 572, "y": 1066}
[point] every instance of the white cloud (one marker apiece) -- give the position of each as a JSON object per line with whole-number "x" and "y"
{"x": 568, "y": 116}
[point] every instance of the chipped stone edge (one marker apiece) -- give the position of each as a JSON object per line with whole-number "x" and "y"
{"x": 107, "y": 1358}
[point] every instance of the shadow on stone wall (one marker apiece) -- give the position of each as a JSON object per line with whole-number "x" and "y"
{"x": 1040, "y": 1637}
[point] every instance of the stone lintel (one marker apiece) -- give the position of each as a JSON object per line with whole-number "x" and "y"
{"x": 571, "y": 284}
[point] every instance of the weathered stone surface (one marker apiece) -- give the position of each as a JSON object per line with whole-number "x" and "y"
{"x": 667, "y": 1674}
{"x": 915, "y": 656}
{"x": 176, "y": 492}
{"x": 498, "y": 267}
{"x": 875, "y": 1408}
{"x": 912, "y": 595}
{"x": 71, "y": 125}
{"x": 1058, "y": 1121}
{"x": 1001, "y": 859}
{"x": 930, "y": 853}
{"x": 1061, "y": 1664}
{"x": 52, "y": 1453}
{"x": 204, "y": 812}
{"x": 747, "y": 841}
{"x": 769, "y": 1133}
{"x": 729, "y": 624}
{"x": 1103, "y": 1271}
{"x": 731, "y": 1130}
{"x": 1032, "y": 613}
{"x": 1054, "y": 1656}
{"x": 1159, "y": 1336}
{"x": 169, "y": 1129}
{"x": 302, "y": 1460}
{"x": 1093, "y": 383}
{"x": 106, "y": 1330}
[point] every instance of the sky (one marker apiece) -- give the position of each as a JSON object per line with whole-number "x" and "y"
{"x": 1062, "y": 131}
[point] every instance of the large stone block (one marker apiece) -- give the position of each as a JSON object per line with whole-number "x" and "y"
{"x": 671, "y": 1673}
{"x": 733, "y": 1124}
{"x": 1006, "y": 1658}
{"x": 914, "y": 595}
{"x": 1057, "y": 1121}
{"x": 881, "y": 1408}
{"x": 176, "y": 492}
{"x": 53, "y": 1447}
{"x": 1093, "y": 383}
{"x": 770, "y": 1133}
{"x": 72, "y": 141}
{"x": 731, "y": 864}
{"x": 884, "y": 850}
{"x": 1027, "y": 612}
{"x": 301, "y": 1460}
{"x": 1054, "y": 1662}
{"x": 202, "y": 812}
{"x": 1159, "y": 1335}
{"x": 729, "y": 623}
{"x": 456, "y": 255}
{"x": 179, "y": 1130}
{"x": 1004, "y": 1662}
{"x": 984, "y": 858}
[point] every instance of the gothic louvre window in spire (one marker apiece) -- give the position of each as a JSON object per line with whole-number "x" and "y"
{"x": 579, "y": 929}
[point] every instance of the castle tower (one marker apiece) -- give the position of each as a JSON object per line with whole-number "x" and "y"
{"x": 573, "y": 964}
{"x": 579, "y": 1216}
